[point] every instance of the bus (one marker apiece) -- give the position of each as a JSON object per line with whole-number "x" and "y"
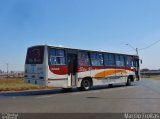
{"x": 68, "y": 68}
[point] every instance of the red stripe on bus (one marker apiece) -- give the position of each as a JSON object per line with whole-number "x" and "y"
{"x": 58, "y": 69}
{"x": 63, "y": 69}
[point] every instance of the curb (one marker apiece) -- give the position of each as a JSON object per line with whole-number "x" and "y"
{"x": 29, "y": 93}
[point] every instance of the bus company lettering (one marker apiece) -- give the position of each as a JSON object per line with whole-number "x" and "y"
{"x": 55, "y": 69}
{"x": 59, "y": 70}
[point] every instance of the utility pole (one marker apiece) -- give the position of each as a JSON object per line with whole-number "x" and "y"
{"x": 7, "y": 69}
{"x": 136, "y": 49}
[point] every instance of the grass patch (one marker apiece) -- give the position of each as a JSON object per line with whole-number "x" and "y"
{"x": 18, "y": 84}
{"x": 151, "y": 76}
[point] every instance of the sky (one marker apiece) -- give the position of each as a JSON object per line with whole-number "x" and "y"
{"x": 87, "y": 24}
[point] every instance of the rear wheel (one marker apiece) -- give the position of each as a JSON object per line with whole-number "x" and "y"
{"x": 85, "y": 85}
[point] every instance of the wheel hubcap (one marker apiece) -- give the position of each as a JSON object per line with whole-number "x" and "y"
{"x": 86, "y": 84}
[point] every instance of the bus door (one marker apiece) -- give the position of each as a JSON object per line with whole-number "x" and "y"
{"x": 136, "y": 65}
{"x": 72, "y": 69}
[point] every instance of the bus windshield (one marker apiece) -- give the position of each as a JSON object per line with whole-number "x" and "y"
{"x": 35, "y": 55}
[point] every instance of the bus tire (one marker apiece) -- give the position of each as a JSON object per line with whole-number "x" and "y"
{"x": 129, "y": 81}
{"x": 86, "y": 84}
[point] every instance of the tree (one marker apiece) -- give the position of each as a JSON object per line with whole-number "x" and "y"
{"x": 144, "y": 70}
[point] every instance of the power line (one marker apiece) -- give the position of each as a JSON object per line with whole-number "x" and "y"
{"x": 150, "y": 45}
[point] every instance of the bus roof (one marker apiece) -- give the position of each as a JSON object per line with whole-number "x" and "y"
{"x": 61, "y": 47}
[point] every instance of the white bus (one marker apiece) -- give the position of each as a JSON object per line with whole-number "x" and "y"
{"x": 69, "y": 68}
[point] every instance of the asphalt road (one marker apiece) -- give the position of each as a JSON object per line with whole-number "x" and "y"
{"x": 142, "y": 96}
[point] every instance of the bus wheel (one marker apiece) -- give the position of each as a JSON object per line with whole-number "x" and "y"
{"x": 85, "y": 85}
{"x": 128, "y": 81}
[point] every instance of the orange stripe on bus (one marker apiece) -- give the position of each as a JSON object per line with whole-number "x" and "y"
{"x": 109, "y": 72}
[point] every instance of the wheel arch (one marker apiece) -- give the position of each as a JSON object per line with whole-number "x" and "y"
{"x": 88, "y": 78}
{"x": 81, "y": 87}
{"x": 131, "y": 77}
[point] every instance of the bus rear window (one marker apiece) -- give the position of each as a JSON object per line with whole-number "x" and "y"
{"x": 35, "y": 55}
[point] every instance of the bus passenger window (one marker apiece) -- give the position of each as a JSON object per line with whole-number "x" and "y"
{"x": 120, "y": 61}
{"x": 83, "y": 59}
{"x": 100, "y": 59}
{"x": 56, "y": 57}
{"x": 129, "y": 62}
{"x": 109, "y": 59}
{"x": 96, "y": 59}
{"x": 117, "y": 60}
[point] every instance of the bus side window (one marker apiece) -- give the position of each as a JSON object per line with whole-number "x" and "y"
{"x": 120, "y": 60}
{"x": 100, "y": 59}
{"x": 96, "y": 59}
{"x": 83, "y": 59}
{"x": 129, "y": 62}
{"x": 109, "y": 59}
{"x": 117, "y": 58}
{"x": 56, "y": 57}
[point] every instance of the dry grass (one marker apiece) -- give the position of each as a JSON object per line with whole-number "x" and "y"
{"x": 11, "y": 84}
{"x": 151, "y": 76}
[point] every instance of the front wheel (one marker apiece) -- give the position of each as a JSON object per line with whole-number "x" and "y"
{"x": 85, "y": 85}
{"x": 128, "y": 81}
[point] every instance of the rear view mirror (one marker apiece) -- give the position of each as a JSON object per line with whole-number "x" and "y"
{"x": 141, "y": 61}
